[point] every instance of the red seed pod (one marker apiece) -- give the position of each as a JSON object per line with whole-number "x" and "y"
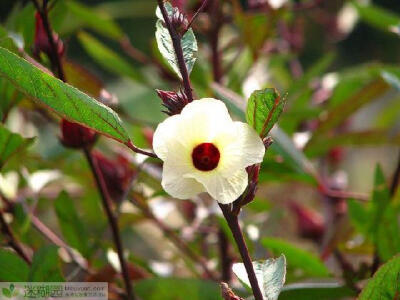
{"x": 74, "y": 135}
{"x": 310, "y": 224}
{"x": 41, "y": 41}
{"x": 117, "y": 174}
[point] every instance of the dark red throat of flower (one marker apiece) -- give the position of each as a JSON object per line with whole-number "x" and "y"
{"x": 205, "y": 157}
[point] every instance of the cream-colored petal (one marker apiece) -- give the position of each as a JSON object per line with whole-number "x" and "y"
{"x": 212, "y": 108}
{"x": 223, "y": 189}
{"x": 205, "y": 119}
{"x": 164, "y": 138}
{"x": 176, "y": 184}
{"x": 243, "y": 149}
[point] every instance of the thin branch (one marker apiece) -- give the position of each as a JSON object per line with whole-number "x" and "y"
{"x": 136, "y": 54}
{"x": 176, "y": 42}
{"x": 12, "y": 240}
{"x": 175, "y": 239}
{"x": 197, "y": 13}
{"x": 49, "y": 32}
{"x": 233, "y": 223}
{"x": 107, "y": 204}
{"x": 56, "y": 240}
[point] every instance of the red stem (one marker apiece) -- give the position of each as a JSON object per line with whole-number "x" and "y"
{"x": 176, "y": 42}
{"x": 233, "y": 223}
{"x": 107, "y": 203}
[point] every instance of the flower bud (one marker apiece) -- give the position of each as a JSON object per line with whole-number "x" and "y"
{"x": 117, "y": 174}
{"x": 41, "y": 40}
{"x": 74, "y": 135}
{"x": 173, "y": 101}
{"x": 309, "y": 223}
{"x": 179, "y": 22}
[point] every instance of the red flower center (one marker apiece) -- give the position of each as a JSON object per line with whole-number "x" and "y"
{"x": 205, "y": 157}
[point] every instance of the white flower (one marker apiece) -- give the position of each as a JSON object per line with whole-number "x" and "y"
{"x": 205, "y": 151}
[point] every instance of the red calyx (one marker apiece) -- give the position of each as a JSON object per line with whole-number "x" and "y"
{"x": 74, "y": 135}
{"x": 173, "y": 101}
{"x": 41, "y": 41}
{"x": 117, "y": 174}
{"x": 205, "y": 157}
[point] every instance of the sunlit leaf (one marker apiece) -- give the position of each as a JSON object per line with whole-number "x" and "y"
{"x": 263, "y": 110}
{"x": 376, "y": 16}
{"x": 11, "y": 143}
{"x": 385, "y": 284}
{"x": 65, "y": 100}
{"x": 270, "y": 275}
{"x": 165, "y": 45}
{"x": 298, "y": 258}
{"x": 392, "y": 79}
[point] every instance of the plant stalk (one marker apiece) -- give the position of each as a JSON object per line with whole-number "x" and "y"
{"x": 56, "y": 59}
{"x": 12, "y": 240}
{"x": 107, "y": 204}
{"x": 176, "y": 42}
{"x": 233, "y": 223}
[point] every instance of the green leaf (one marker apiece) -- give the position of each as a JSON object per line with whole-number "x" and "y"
{"x": 98, "y": 21}
{"x": 11, "y": 143}
{"x": 13, "y": 268}
{"x": 164, "y": 42}
{"x": 62, "y": 98}
{"x": 6, "y": 292}
{"x": 383, "y": 225}
{"x": 367, "y": 138}
{"x": 376, "y": 16}
{"x": 270, "y": 275}
{"x": 307, "y": 291}
{"x": 345, "y": 109}
{"x": 298, "y": 258}
{"x": 263, "y": 110}
{"x": 283, "y": 143}
{"x": 72, "y": 228}
{"x": 359, "y": 215}
{"x": 46, "y": 266}
{"x": 175, "y": 289}
{"x": 107, "y": 58}
{"x": 385, "y": 284}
